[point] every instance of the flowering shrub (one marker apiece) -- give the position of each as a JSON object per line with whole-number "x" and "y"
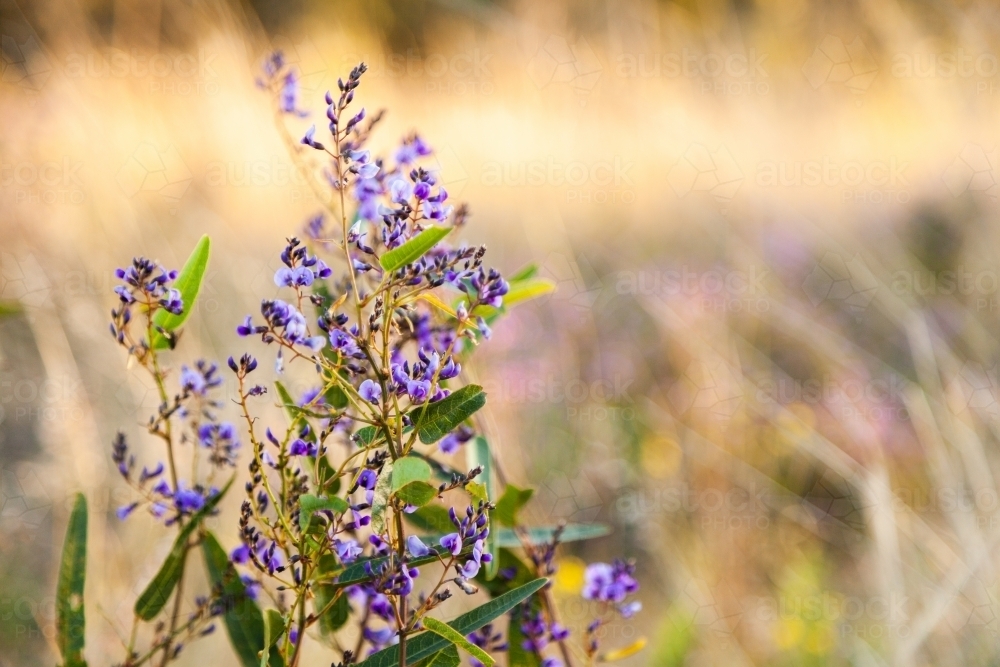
{"x": 355, "y": 511}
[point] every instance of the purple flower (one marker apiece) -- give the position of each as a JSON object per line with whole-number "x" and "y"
{"x": 371, "y": 391}
{"x": 452, "y": 542}
{"x": 367, "y": 479}
{"x": 611, "y": 583}
{"x": 347, "y": 551}
{"x": 240, "y": 554}
{"x": 416, "y": 547}
{"x": 188, "y": 500}
{"x": 300, "y": 447}
{"x": 123, "y": 512}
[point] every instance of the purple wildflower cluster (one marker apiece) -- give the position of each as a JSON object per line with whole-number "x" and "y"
{"x": 349, "y": 512}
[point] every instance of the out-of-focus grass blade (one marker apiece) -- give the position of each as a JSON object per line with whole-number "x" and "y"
{"x": 70, "y": 619}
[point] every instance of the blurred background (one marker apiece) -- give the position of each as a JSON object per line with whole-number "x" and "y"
{"x": 771, "y": 363}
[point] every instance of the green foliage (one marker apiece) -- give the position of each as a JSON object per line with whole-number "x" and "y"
{"x": 70, "y": 619}
{"x": 243, "y": 618}
{"x": 156, "y": 594}
{"x": 447, "y": 632}
{"x": 188, "y": 284}
{"x": 437, "y": 420}
{"x": 309, "y": 505}
{"x": 413, "y": 249}
{"x": 428, "y": 643}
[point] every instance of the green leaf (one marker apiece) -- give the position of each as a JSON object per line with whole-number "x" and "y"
{"x": 287, "y": 402}
{"x": 437, "y": 420}
{"x": 417, "y": 493}
{"x": 478, "y": 454}
{"x": 380, "y": 499}
{"x": 428, "y": 643}
{"x": 338, "y": 613}
{"x": 408, "y": 469}
{"x": 573, "y": 532}
{"x": 309, "y": 504}
{"x": 152, "y": 600}
{"x": 369, "y": 435}
{"x": 527, "y": 290}
{"x": 274, "y": 625}
{"x": 70, "y": 619}
{"x": 510, "y": 503}
{"x": 477, "y": 491}
{"x": 413, "y": 249}
{"x": 447, "y": 657}
{"x": 447, "y": 632}
{"x": 243, "y": 618}
{"x": 188, "y": 283}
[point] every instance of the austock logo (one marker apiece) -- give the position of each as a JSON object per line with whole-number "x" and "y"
{"x": 835, "y": 279}
{"x": 558, "y": 61}
{"x": 974, "y": 170}
{"x": 835, "y": 63}
{"x": 25, "y": 500}
{"x": 150, "y": 170}
{"x": 704, "y": 170}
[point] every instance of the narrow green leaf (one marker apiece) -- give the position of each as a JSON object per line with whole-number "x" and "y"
{"x": 156, "y": 594}
{"x": 274, "y": 625}
{"x": 437, "y": 420}
{"x": 573, "y": 532}
{"x": 478, "y": 454}
{"x": 413, "y": 249}
{"x": 527, "y": 290}
{"x": 452, "y": 635}
{"x": 510, "y": 503}
{"x": 447, "y": 657}
{"x": 417, "y": 493}
{"x": 287, "y": 402}
{"x": 380, "y": 499}
{"x": 243, "y": 618}
{"x": 70, "y": 619}
{"x": 309, "y": 505}
{"x": 188, "y": 283}
{"x": 409, "y": 469}
{"x": 428, "y": 643}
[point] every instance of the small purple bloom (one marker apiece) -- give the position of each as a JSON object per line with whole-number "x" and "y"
{"x": 370, "y": 391}
{"x": 416, "y": 547}
{"x": 452, "y": 542}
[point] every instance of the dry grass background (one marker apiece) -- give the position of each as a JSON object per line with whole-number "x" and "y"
{"x": 772, "y": 360}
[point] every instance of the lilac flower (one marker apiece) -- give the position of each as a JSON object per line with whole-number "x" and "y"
{"x": 300, "y": 447}
{"x": 370, "y": 391}
{"x": 123, "y": 512}
{"x": 452, "y": 542}
{"x": 367, "y": 479}
{"x": 416, "y": 547}
{"x": 450, "y": 443}
{"x": 347, "y": 551}
{"x": 609, "y": 583}
{"x": 301, "y": 276}
{"x": 240, "y": 555}
{"x": 188, "y": 500}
